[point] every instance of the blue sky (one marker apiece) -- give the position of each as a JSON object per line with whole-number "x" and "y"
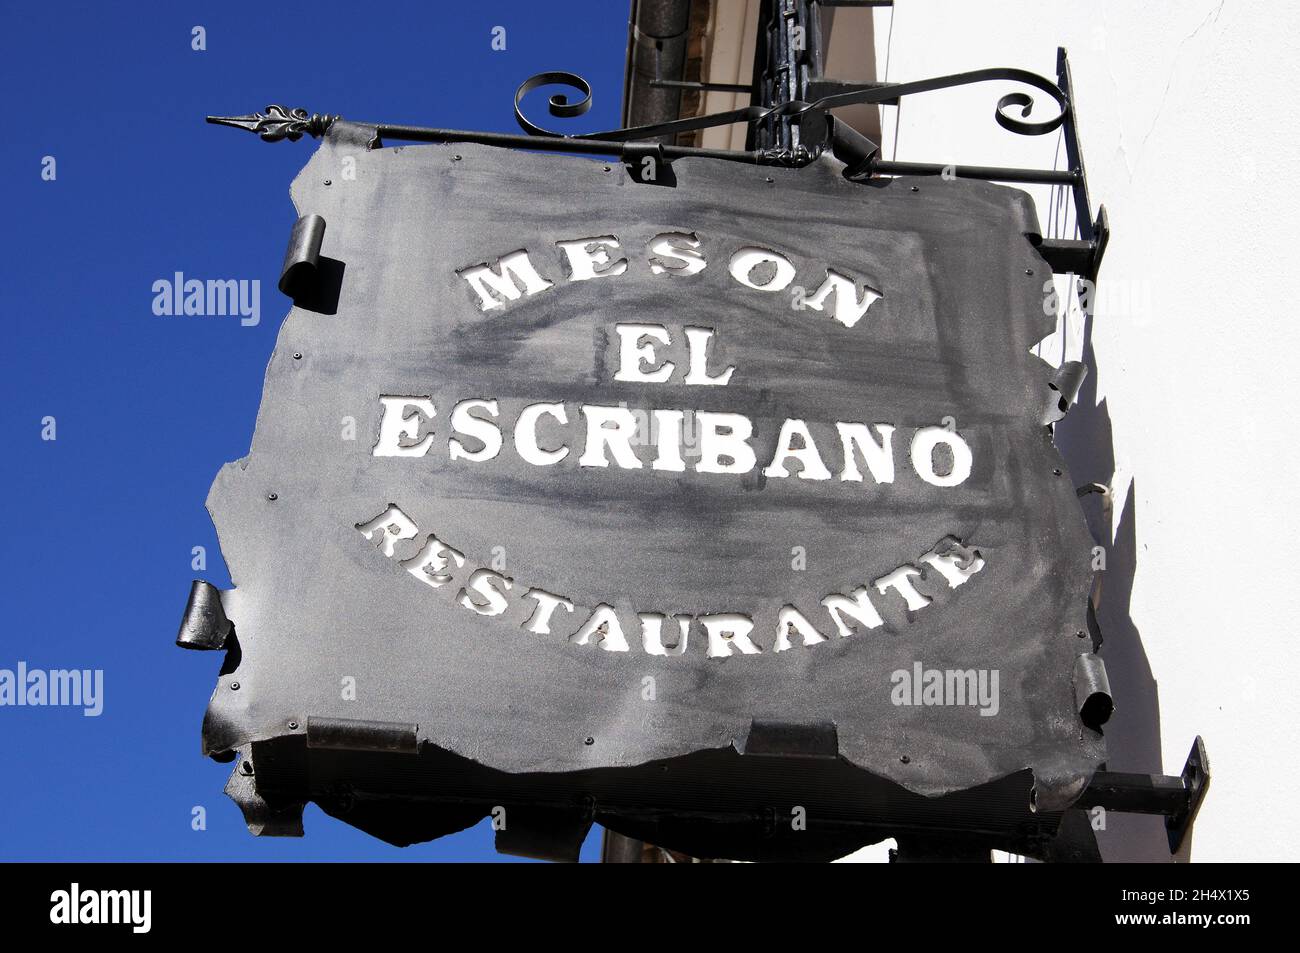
{"x": 101, "y": 522}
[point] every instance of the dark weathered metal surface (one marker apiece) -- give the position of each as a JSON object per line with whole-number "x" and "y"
{"x": 316, "y": 604}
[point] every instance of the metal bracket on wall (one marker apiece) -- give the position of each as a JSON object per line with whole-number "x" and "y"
{"x": 1177, "y": 798}
{"x": 1080, "y": 256}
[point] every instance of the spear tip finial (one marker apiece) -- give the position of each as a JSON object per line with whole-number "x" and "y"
{"x": 278, "y": 123}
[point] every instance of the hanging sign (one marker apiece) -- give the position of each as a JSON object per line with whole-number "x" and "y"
{"x": 557, "y": 471}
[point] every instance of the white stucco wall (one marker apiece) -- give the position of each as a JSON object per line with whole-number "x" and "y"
{"x": 1188, "y": 136}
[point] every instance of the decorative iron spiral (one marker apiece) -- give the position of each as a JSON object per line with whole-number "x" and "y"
{"x": 560, "y": 106}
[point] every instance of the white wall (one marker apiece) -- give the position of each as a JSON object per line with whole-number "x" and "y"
{"x": 1187, "y": 133}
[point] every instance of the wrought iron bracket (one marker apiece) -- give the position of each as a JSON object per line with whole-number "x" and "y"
{"x": 1177, "y": 798}
{"x": 1080, "y": 256}
{"x": 818, "y": 132}
{"x": 820, "y": 87}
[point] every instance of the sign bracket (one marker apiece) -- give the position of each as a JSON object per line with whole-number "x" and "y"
{"x": 817, "y": 133}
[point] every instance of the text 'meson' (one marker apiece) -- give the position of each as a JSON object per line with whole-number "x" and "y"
{"x": 514, "y": 276}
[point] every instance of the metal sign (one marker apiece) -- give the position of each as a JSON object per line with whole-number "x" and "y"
{"x": 682, "y": 505}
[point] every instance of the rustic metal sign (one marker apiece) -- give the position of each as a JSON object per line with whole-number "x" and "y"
{"x": 677, "y": 505}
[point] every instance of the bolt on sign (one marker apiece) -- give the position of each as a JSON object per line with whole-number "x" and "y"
{"x": 687, "y": 509}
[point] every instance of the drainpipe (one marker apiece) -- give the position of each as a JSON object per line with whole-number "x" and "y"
{"x": 658, "y": 35}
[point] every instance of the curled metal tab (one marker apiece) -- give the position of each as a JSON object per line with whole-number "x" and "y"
{"x": 851, "y": 147}
{"x": 646, "y": 162}
{"x": 1065, "y": 390}
{"x": 204, "y": 625}
{"x": 359, "y": 134}
{"x": 350, "y": 734}
{"x": 1092, "y": 691}
{"x": 302, "y": 256}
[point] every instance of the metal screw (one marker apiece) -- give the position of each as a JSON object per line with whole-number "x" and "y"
{"x": 455, "y": 158}
{"x": 234, "y": 686}
{"x": 769, "y": 180}
{"x": 272, "y": 497}
{"x": 916, "y": 188}
{"x": 590, "y": 741}
{"x": 328, "y": 182}
{"x": 905, "y": 759}
{"x": 606, "y": 168}
{"x": 1029, "y": 271}
{"x": 293, "y": 726}
{"x": 1056, "y": 471}
{"x": 1081, "y": 634}
{"x": 297, "y": 355}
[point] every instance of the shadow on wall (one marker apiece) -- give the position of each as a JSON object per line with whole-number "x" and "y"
{"x": 1086, "y": 441}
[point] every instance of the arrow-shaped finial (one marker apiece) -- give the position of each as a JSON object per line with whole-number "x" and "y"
{"x": 278, "y": 123}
